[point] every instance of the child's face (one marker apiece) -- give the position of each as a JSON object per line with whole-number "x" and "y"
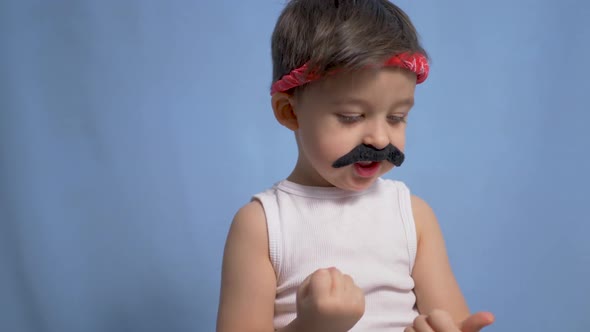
{"x": 337, "y": 114}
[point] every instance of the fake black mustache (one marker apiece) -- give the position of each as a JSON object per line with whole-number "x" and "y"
{"x": 366, "y": 152}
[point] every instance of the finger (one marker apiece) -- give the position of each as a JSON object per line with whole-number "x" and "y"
{"x": 351, "y": 289}
{"x": 303, "y": 289}
{"x": 347, "y": 282}
{"x": 320, "y": 283}
{"x": 421, "y": 324}
{"x": 440, "y": 320}
{"x": 409, "y": 329}
{"x": 337, "y": 280}
{"x": 476, "y": 322}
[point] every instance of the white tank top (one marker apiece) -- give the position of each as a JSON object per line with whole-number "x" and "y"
{"x": 369, "y": 235}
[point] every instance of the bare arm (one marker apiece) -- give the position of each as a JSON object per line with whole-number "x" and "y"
{"x": 327, "y": 300}
{"x": 436, "y": 287}
{"x": 248, "y": 280}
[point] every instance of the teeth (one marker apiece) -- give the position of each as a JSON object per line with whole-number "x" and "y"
{"x": 365, "y": 163}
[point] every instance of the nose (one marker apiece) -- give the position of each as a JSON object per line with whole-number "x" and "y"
{"x": 376, "y": 135}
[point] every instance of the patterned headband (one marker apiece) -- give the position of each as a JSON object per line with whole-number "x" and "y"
{"x": 415, "y": 62}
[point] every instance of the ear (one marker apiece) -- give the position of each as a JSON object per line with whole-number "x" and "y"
{"x": 282, "y": 105}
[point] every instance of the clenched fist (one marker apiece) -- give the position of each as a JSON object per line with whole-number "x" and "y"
{"x": 329, "y": 301}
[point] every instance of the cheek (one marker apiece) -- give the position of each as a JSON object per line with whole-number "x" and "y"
{"x": 325, "y": 144}
{"x": 402, "y": 144}
{"x": 320, "y": 145}
{"x": 399, "y": 139}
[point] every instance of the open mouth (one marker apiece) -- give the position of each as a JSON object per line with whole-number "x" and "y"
{"x": 367, "y": 168}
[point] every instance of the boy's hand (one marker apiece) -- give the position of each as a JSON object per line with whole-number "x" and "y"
{"x": 441, "y": 321}
{"x": 329, "y": 301}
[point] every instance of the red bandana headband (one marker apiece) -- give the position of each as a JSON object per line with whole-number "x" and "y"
{"x": 415, "y": 62}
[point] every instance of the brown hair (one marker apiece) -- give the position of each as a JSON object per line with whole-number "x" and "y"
{"x": 329, "y": 34}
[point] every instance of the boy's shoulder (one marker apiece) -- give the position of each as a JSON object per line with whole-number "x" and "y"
{"x": 249, "y": 222}
{"x": 252, "y": 211}
{"x": 420, "y": 207}
{"x": 421, "y": 210}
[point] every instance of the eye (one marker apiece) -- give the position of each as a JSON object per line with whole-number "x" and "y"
{"x": 349, "y": 118}
{"x": 395, "y": 119}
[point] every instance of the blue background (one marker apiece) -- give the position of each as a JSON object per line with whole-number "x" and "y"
{"x": 131, "y": 132}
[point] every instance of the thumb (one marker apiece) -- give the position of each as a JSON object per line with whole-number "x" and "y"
{"x": 303, "y": 289}
{"x": 477, "y": 321}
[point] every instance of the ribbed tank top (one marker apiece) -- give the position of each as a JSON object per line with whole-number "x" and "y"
{"x": 369, "y": 235}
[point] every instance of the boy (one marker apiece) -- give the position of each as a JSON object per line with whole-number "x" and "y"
{"x": 334, "y": 247}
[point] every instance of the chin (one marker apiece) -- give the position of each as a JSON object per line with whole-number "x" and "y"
{"x": 359, "y": 184}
